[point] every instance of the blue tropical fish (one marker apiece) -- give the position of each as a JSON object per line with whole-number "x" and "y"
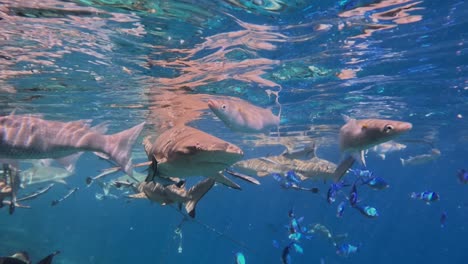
{"x": 462, "y": 176}
{"x": 340, "y": 209}
{"x": 427, "y": 196}
{"x": 362, "y": 173}
{"x": 368, "y": 211}
{"x": 345, "y": 250}
{"x": 353, "y": 196}
{"x": 292, "y": 177}
{"x": 333, "y": 190}
{"x": 240, "y": 258}
{"x": 377, "y": 183}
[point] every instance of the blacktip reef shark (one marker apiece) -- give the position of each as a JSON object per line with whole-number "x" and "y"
{"x": 183, "y": 151}
{"x": 23, "y": 258}
{"x": 313, "y": 168}
{"x": 356, "y": 136}
{"x": 30, "y": 137}
{"x": 175, "y": 193}
{"x": 242, "y": 116}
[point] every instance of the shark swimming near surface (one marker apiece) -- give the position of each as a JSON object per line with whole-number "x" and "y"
{"x": 242, "y": 116}
{"x": 183, "y": 151}
{"x": 356, "y": 136}
{"x": 30, "y": 137}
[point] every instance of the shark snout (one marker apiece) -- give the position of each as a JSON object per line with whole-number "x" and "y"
{"x": 405, "y": 126}
{"x": 212, "y": 104}
{"x": 234, "y": 150}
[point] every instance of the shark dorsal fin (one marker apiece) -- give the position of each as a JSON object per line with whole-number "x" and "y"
{"x": 346, "y": 118}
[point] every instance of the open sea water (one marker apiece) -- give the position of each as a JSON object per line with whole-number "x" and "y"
{"x": 125, "y": 62}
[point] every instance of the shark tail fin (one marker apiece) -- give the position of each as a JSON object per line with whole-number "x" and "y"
{"x": 49, "y": 258}
{"x": 119, "y": 147}
{"x": 196, "y": 193}
{"x": 402, "y": 162}
{"x": 343, "y": 168}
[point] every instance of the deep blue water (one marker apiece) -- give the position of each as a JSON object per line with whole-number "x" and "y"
{"x": 158, "y": 61}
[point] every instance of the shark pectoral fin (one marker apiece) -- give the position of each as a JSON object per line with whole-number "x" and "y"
{"x": 226, "y": 181}
{"x": 243, "y": 177}
{"x": 359, "y": 156}
{"x": 141, "y": 195}
{"x": 302, "y": 177}
{"x": 62, "y": 181}
{"x": 343, "y": 168}
{"x": 262, "y": 173}
{"x": 102, "y": 155}
{"x": 382, "y": 156}
{"x": 196, "y": 193}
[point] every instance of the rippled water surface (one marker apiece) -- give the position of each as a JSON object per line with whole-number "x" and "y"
{"x": 125, "y": 62}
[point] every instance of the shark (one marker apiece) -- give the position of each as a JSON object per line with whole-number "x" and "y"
{"x": 242, "y": 116}
{"x": 183, "y": 151}
{"x": 358, "y": 135}
{"x": 32, "y": 137}
{"x": 41, "y": 174}
{"x": 174, "y": 193}
{"x": 43, "y": 170}
{"x": 23, "y": 258}
{"x": 382, "y": 149}
{"x": 313, "y": 168}
{"x": 421, "y": 159}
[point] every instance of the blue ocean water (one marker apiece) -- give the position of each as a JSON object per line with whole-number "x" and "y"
{"x": 125, "y": 62}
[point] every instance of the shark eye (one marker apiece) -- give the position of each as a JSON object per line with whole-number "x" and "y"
{"x": 388, "y": 128}
{"x": 223, "y": 106}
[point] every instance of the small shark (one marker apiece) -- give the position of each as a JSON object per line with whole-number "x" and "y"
{"x": 41, "y": 174}
{"x": 242, "y": 116}
{"x": 359, "y": 135}
{"x": 23, "y": 258}
{"x": 174, "y": 194}
{"x": 313, "y": 168}
{"x": 421, "y": 159}
{"x": 29, "y": 137}
{"x": 391, "y": 146}
{"x": 183, "y": 151}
